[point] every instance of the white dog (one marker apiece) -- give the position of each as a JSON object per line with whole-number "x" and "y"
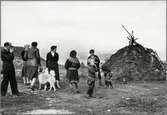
{"x": 45, "y": 77}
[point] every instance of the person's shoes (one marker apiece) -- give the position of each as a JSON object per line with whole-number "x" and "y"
{"x": 2, "y": 95}
{"x": 78, "y": 91}
{"x": 15, "y": 95}
{"x": 27, "y": 84}
{"x": 89, "y": 96}
{"x": 100, "y": 84}
{"x": 32, "y": 88}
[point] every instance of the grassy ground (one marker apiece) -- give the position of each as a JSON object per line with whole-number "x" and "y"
{"x": 139, "y": 98}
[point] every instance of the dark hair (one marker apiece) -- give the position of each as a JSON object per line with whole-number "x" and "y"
{"x": 6, "y": 44}
{"x": 34, "y": 44}
{"x": 92, "y": 51}
{"x": 53, "y": 47}
{"x": 73, "y": 53}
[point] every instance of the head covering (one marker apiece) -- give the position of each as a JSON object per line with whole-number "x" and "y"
{"x": 34, "y": 44}
{"x": 73, "y": 54}
{"x": 92, "y": 51}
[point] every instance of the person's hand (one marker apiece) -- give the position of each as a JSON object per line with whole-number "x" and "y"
{"x": 11, "y": 50}
{"x": 1, "y": 76}
{"x": 26, "y": 47}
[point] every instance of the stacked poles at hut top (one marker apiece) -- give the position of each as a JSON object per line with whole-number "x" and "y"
{"x": 131, "y": 38}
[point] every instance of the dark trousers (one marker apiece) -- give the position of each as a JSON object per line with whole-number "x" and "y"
{"x": 91, "y": 84}
{"x": 108, "y": 83}
{"x": 9, "y": 77}
{"x": 99, "y": 75}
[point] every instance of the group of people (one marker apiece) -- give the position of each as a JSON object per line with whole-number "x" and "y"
{"x": 32, "y": 64}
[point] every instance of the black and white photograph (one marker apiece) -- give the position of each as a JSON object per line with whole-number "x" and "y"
{"x": 83, "y": 57}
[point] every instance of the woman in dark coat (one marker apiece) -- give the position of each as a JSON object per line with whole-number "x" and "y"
{"x": 72, "y": 65}
{"x": 52, "y": 59}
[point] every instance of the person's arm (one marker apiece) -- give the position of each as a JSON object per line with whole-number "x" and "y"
{"x": 78, "y": 65}
{"x": 38, "y": 57}
{"x": 57, "y": 57}
{"x": 97, "y": 59}
{"x": 47, "y": 60}
{"x": 88, "y": 62}
{"x": 66, "y": 65}
{"x": 25, "y": 55}
{"x": 6, "y": 56}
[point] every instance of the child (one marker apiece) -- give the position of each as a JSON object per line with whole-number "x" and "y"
{"x": 72, "y": 65}
{"x": 92, "y": 72}
{"x": 108, "y": 79}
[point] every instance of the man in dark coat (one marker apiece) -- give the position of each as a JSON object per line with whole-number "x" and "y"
{"x": 97, "y": 63}
{"x": 52, "y": 59}
{"x": 8, "y": 70}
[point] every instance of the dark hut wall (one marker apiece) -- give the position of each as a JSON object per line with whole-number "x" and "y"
{"x": 135, "y": 62}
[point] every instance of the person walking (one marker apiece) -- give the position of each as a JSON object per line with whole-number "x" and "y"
{"x": 96, "y": 62}
{"x": 8, "y": 70}
{"x": 92, "y": 73}
{"x": 33, "y": 63}
{"x": 52, "y": 59}
{"x": 72, "y": 65}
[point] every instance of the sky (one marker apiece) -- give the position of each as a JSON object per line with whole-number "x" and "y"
{"x": 82, "y": 25}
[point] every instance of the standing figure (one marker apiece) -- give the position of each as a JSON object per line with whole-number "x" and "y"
{"x": 26, "y": 80}
{"x": 72, "y": 65}
{"x": 8, "y": 70}
{"x": 92, "y": 72}
{"x": 108, "y": 79}
{"x": 52, "y": 63}
{"x": 33, "y": 63}
{"x": 96, "y": 62}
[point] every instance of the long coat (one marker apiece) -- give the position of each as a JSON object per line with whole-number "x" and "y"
{"x": 72, "y": 65}
{"x": 52, "y": 63}
{"x": 33, "y": 56}
{"x": 33, "y": 62}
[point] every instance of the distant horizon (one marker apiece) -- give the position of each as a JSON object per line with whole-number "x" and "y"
{"x": 84, "y": 25}
{"x": 83, "y": 56}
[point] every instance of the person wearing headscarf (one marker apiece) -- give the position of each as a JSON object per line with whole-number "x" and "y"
{"x": 26, "y": 80}
{"x": 72, "y": 65}
{"x": 33, "y": 63}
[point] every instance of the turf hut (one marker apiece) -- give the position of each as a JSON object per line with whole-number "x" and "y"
{"x": 135, "y": 63}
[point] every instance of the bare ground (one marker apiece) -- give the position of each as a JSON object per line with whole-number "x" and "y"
{"x": 139, "y": 98}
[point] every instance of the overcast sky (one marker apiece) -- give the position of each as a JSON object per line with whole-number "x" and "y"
{"x": 84, "y": 24}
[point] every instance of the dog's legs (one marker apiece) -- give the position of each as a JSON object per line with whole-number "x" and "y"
{"x": 50, "y": 88}
{"x": 58, "y": 85}
{"x": 39, "y": 86}
{"x": 45, "y": 87}
{"x": 53, "y": 85}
